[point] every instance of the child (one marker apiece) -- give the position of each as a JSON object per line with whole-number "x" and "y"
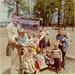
{"x": 57, "y": 55}
{"x": 30, "y": 60}
{"x": 66, "y": 42}
{"x": 38, "y": 60}
{"x": 30, "y": 37}
{"x": 22, "y": 38}
{"x": 46, "y": 57}
{"x": 42, "y": 42}
{"x": 34, "y": 47}
{"x": 25, "y": 65}
{"x": 35, "y": 44}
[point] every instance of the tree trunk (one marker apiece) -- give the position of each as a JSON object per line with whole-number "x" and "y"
{"x": 59, "y": 10}
{"x": 64, "y": 21}
{"x": 73, "y": 24}
{"x": 16, "y": 7}
{"x": 58, "y": 17}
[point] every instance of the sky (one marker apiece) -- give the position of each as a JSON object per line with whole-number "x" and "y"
{"x": 3, "y": 12}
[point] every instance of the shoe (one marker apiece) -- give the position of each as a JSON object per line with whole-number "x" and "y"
{"x": 64, "y": 67}
{"x": 49, "y": 67}
{"x": 7, "y": 55}
{"x": 56, "y": 71}
{"x": 59, "y": 72}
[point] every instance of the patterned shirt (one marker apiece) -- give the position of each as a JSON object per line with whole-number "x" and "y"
{"x": 56, "y": 53}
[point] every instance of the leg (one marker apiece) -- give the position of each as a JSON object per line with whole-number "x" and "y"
{"x": 37, "y": 71}
{"x": 30, "y": 65}
{"x": 14, "y": 62}
{"x": 59, "y": 65}
{"x": 55, "y": 63}
{"x": 33, "y": 64}
{"x": 64, "y": 59}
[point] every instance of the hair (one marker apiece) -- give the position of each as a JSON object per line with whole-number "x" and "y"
{"x": 30, "y": 50}
{"x": 16, "y": 14}
{"x": 67, "y": 33}
{"x": 38, "y": 51}
{"x": 60, "y": 28}
{"x": 56, "y": 44}
{"x": 21, "y": 30}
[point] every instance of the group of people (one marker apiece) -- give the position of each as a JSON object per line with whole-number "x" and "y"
{"x": 28, "y": 49}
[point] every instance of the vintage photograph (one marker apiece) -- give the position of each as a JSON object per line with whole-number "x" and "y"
{"x": 37, "y": 37}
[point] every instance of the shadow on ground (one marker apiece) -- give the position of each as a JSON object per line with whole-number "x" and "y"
{"x": 7, "y": 71}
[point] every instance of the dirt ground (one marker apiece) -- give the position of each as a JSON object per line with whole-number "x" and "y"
{"x": 6, "y": 63}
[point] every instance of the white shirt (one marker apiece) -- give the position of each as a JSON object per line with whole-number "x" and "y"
{"x": 43, "y": 34}
{"x": 12, "y": 31}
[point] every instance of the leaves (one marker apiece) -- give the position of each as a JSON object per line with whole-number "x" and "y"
{"x": 11, "y": 5}
{"x": 46, "y": 9}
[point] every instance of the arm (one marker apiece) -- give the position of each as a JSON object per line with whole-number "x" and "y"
{"x": 59, "y": 42}
{"x": 57, "y": 39}
{"x": 70, "y": 42}
{"x": 47, "y": 33}
{"x": 61, "y": 55}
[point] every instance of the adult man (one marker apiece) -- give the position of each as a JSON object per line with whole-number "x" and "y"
{"x": 59, "y": 38}
{"x": 12, "y": 32}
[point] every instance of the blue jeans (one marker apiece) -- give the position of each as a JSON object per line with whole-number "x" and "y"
{"x": 43, "y": 44}
{"x": 63, "y": 58}
{"x": 19, "y": 43}
{"x": 64, "y": 46}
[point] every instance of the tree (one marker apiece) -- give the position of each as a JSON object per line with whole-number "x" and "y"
{"x": 65, "y": 7}
{"x": 44, "y": 9}
{"x": 69, "y": 12}
{"x": 16, "y": 6}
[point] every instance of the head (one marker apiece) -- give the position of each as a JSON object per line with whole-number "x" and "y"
{"x": 60, "y": 31}
{"x": 15, "y": 18}
{"x": 56, "y": 45}
{"x": 48, "y": 53}
{"x": 67, "y": 34}
{"x": 35, "y": 40}
{"x": 30, "y": 50}
{"x": 45, "y": 29}
{"x": 38, "y": 51}
{"x": 44, "y": 51}
{"x": 40, "y": 28}
{"x": 29, "y": 33}
{"x": 21, "y": 32}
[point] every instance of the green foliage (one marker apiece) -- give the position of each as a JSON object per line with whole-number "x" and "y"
{"x": 11, "y": 5}
{"x": 44, "y": 9}
{"x": 69, "y": 11}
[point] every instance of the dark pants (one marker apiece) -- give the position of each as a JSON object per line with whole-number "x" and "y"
{"x": 57, "y": 63}
{"x": 63, "y": 56}
{"x": 42, "y": 44}
{"x": 47, "y": 61}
